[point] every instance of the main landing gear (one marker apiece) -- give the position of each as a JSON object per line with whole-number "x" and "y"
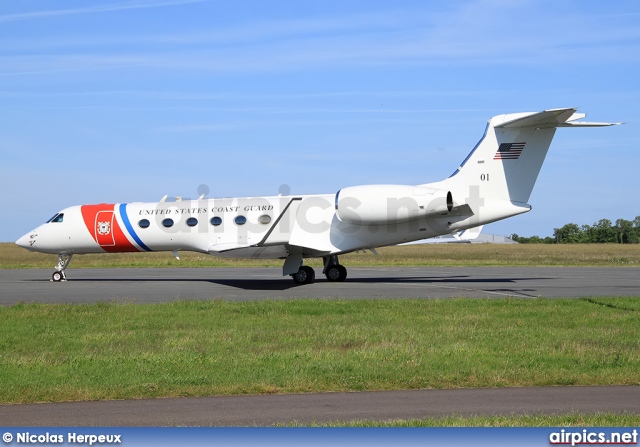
{"x": 63, "y": 262}
{"x": 333, "y": 270}
{"x": 304, "y": 275}
{"x": 336, "y": 273}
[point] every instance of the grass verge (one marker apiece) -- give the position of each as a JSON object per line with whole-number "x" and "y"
{"x": 12, "y": 256}
{"x": 194, "y": 348}
{"x": 536, "y": 420}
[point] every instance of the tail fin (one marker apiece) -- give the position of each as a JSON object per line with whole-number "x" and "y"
{"x": 505, "y": 163}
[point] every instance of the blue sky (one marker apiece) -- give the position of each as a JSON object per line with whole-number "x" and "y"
{"x": 126, "y": 101}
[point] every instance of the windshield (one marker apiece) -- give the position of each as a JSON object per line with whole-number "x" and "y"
{"x": 56, "y": 218}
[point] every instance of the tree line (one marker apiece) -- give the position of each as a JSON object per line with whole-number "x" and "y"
{"x": 602, "y": 232}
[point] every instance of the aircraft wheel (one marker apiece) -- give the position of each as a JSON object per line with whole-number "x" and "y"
{"x": 57, "y": 276}
{"x": 336, "y": 273}
{"x": 304, "y": 275}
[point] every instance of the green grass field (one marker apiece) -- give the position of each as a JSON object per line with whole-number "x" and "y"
{"x": 12, "y": 256}
{"x": 197, "y": 348}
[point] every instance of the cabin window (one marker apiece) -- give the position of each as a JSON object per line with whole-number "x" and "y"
{"x": 167, "y": 223}
{"x": 240, "y": 220}
{"x": 264, "y": 219}
{"x": 215, "y": 221}
{"x": 144, "y": 223}
{"x": 192, "y": 221}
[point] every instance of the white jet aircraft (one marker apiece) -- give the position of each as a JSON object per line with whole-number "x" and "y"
{"x": 494, "y": 182}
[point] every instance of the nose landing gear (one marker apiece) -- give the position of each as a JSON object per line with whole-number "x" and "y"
{"x": 63, "y": 262}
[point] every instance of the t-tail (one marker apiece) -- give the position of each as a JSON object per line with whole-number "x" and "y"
{"x": 497, "y": 177}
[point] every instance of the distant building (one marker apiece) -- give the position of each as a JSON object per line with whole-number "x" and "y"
{"x": 493, "y": 239}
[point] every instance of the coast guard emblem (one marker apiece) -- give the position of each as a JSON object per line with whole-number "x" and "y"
{"x": 104, "y": 228}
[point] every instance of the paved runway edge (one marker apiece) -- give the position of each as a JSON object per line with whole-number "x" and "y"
{"x": 155, "y": 285}
{"x": 266, "y": 410}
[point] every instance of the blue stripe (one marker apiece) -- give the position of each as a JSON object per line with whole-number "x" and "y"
{"x": 125, "y": 219}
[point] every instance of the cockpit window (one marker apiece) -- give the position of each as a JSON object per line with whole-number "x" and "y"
{"x": 57, "y": 218}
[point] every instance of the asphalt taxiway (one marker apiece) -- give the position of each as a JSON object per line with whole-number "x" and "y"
{"x": 265, "y": 410}
{"x": 152, "y": 285}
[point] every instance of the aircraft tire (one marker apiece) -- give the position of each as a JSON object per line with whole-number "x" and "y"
{"x": 336, "y": 273}
{"x": 305, "y": 275}
{"x": 57, "y": 276}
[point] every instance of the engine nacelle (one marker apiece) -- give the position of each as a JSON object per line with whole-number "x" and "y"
{"x": 387, "y": 204}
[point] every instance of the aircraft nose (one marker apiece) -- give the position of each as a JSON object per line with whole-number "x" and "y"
{"x": 26, "y": 241}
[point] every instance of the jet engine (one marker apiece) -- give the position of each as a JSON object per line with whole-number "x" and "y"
{"x": 386, "y": 204}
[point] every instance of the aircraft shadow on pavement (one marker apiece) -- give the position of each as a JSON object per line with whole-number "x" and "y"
{"x": 283, "y": 284}
{"x": 276, "y": 284}
{"x": 247, "y": 284}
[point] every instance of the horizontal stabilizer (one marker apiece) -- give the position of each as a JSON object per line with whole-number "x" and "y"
{"x": 576, "y": 116}
{"x": 588, "y": 124}
{"x": 551, "y": 118}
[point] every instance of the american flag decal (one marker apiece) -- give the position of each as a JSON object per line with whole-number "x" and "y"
{"x": 509, "y": 151}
